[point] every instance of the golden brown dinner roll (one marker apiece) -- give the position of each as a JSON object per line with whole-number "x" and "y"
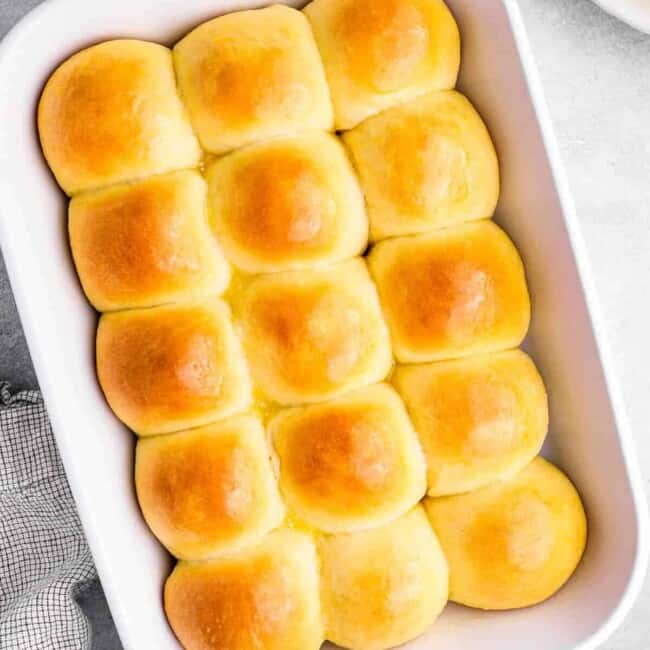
{"x": 172, "y": 368}
{"x": 479, "y": 419}
{"x": 378, "y": 54}
{"x": 210, "y": 490}
{"x": 146, "y": 243}
{"x": 312, "y": 335}
{"x": 287, "y": 204}
{"x": 426, "y": 164}
{"x": 452, "y": 293}
{"x": 111, "y": 113}
{"x": 263, "y": 598}
{"x": 349, "y": 464}
{"x": 251, "y": 75}
{"x": 514, "y": 543}
{"x": 385, "y": 586}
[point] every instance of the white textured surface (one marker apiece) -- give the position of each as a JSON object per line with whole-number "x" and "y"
{"x": 595, "y": 74}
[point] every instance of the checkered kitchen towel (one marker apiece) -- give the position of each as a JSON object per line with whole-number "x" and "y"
{"x": 44, "y": 559}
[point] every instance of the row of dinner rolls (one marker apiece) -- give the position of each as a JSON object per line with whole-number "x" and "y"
{"x": 511, "y": 544}
{"x": 289, "y": 485}
{"x": 243, "y": 77}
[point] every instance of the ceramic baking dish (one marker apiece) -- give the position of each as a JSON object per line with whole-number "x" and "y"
{"x": 589, "y": 437}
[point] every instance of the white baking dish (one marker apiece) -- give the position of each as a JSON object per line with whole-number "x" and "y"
{"x": 589, "y": 437}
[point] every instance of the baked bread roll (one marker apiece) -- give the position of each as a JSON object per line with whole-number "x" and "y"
{"x": 452, "y": 293}
{"x": 146, "y": 243}
{"x": 252, "y": 75}
{"x": 208, "y": 491}
{"x": 288, "y": 204}
{"x": 479, "y": 420}
{"x": 349, "y": 464}
{"x": 514, "y": 543}
{"x": 385, "y": 586}
{"x": 111, "y": 113}
{"x": 424, "y": 165}
{"x": 172, "y": 368}
{"x": 379, "y": 54}
{"x": 315, "y": 334}
{"x": 265, "y": 597}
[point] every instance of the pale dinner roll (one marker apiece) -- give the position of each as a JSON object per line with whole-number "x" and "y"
{"x": 264, "y": 598}
{"x": 287, "y": 204}
{"x": 385, "y": 586}
{"x": 252, "y": 75}
{"x": 479, "y": 419}
{"x": 452, "y": 293}
{"x": 146, "y": 243}
{"x": 210, "y": 490}
{"x": 172, "y": 368}
{"x": 514, "y": 543}
{"x": 424, "y": 165}
{"x": 349, "y": 464}
{"x": 315, "y": 334}
{"x": 379, "y": 54}
{"x": 111, "y": 113}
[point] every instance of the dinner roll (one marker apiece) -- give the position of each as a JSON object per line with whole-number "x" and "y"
{"x": 378, "y": 54}
{"x": 264, "y": 598}
{"x": 111, "y": 113}
{"x": 479, "y": 419}
{"x": 288, "y": 204}
{"x": 385, "y": 586}
{"x": 210, "y": 490}
{"x": 349, "y": 464}
{"x": 315, "y": 334}
{"x": 514, "y": 543}
{"x": 425, "y": 165}
{"x": 251, "y": 75}
{"x": 146, "y": 243}
{"x": 172, "y": 368}
{"x": 452, "y": 293}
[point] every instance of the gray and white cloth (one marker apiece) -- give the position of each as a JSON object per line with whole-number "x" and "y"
{"x": 44, "y": 558}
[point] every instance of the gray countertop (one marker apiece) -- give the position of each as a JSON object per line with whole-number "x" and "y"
{"x": 596, "y": 74}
